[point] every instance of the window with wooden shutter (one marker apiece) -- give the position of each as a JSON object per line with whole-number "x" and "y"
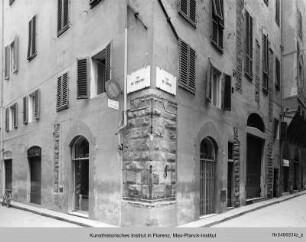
{"x": 14, "y": 55}
{"x": 37, "y": 104}
{"x": 300, "y": 23}
{"x": 93, "y": 2}
{"x": 82, "y": 79}
{"x": 187, "y": 67}
{"x": 32, "y": 39}
{"x": 227, "y": 97}
{"x": 25, "y": 109}
{"x": 217, "y": 24}
{"x": 14, "y": 109}
{"x": 62, "y": 97}
{"x": 277, "y": 12}
{"x": 277, "y": 73}
{"x": 7, "y": 61}
{"x": 62, "y": 16}
{"x": 188, "y": 9}
{"x": 248, "y": 67}
{"x": 265, "y": 63}
{"x": 7, "y": 119}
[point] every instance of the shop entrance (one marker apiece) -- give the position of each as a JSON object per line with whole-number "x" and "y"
{"x": 80, "y": 160}
{"x": 207, "y": 176}
{"x": 34, "y": 157}
{"x": 254, "y": 153}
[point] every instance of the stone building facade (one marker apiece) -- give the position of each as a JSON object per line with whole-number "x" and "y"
{"x": 142, "y": 112}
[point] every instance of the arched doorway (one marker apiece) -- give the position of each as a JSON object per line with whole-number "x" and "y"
{"x": 80, "y": 166}
{"x": 254, "y": 157}
{"x": 34, "y": 158}
{"x": 208, "y": 154}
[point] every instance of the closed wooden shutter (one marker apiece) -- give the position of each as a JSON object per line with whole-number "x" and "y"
{"x": 184, "y": 6}
{"x": 192, "y": 70}
{"x": 183, "y": 64}
{"x": 108, "y": 63}
{"x": 59, "y": 15}
{"x": 34, "y": 36}
{"x": 7, "y": 119}
{"x": 193, "y": 10}
{"x": 58, "y": 94}
{"x": 29, "y": 39}
{"x": 65, "y": 92}
{"x": 66, "y": 13}
{"x": 37, "y": 104}
{"x": 265, "y": 62}
{"x": 15, "y": 114}
{"x": 82, "y": 78}
{"x": 249, "y": 45}
{"x": 227, "y": 97}
{"x": 15, "y": 63}
{"x": 277, "y": 76}
{"x": 7, "y": 62}
{"x": 25, "y": 110}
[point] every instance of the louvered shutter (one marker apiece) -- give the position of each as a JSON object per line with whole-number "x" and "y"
{"x": 277, "y": 70}
{"x": 65, "y": 92}
{"x": 108, "y": 63}
{"x": 192, "y": 70}
{"x": 34, "y": 36}
{"x": 82, "y": 79}
{"x": 59, "y": 15}
{"x": 209, "y": 82}
{"x": 37, "y": 104}
{"x": 30, "y": 38}
{"x": 184, "y": 6}
{"x": 221, "y": 20}
{"x": 192, "y": 10}
{"x": 7, "y": 119}
{"x": 25, "y": 110}
{"x": 7, "y": 62}
{"x": 15, "y": 114}
{"x": 183, "y": 64}
{"x": 15, "y": 64}
{"x": 59, "y": 93}
{"x": 65, "y": 13}
{"x": 227, "y": 97}
{"x": 249, "y": 45}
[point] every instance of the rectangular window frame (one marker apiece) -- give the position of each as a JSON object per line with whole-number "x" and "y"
{"x": 32, "y": 50}
{"x": 12, "y": 117}
{"x": 63, "y": 23}
{"x": 217, "y": 20}
{"x": 248, "y": 64}
{"x": 265, "y": 64}
{"x": 62, "y": 96}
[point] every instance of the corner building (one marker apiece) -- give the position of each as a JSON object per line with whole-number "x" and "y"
{"x": 141, "y": 113}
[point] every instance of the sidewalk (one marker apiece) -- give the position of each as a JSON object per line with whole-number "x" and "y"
{"x": 214, "y": 219}
{"x": 84, "y": 222}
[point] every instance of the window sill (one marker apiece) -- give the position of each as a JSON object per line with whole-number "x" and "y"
{"x": 58, "y": 109}
{"x": 192, "y": 91}
{"x": 217, "y": 47}
{"x": 63, "y": 30}
{"x": 31, "y": 57}
{"x": 193, "y": 24}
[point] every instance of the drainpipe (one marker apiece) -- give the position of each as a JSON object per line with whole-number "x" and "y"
{"x": 1, "y": 93}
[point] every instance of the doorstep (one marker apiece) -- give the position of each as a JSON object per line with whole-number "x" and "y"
{"x": 81, "y": 221}
{"x": 233, "y": 213}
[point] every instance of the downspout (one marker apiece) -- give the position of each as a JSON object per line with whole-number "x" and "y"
{"x": 1, "y": 93}
{"x": 282, "y": 101}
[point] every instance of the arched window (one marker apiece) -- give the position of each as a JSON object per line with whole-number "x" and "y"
{"x": 208, "y": 150}
{"x": 80, "y": 148}
{"x": 255, "y": 121}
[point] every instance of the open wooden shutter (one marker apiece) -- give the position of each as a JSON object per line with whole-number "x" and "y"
{"x": 15, "y": 113}
{"x": 25, "y": 110}
{"x": 108, "y": 62}
{"x": 37, "y": 104}
{"x": 59, "y": 93}
{"x": 7, "y": 62}
{"x": 183, "y": 64}
{"x": 30, "y": 39}
{"x": 249, "y": 45}
{"x": 34, "y": 36}
{"x": 227, "y": 93}
{"x": 193, "y": 10}
{"x": 65, "y": 13}
{"x": 65, "y": 92}
{"x": 7, "y": 119}
{"x": 15, "y": 63}
{"x": 209, "y": 81}
{"x": 59, "y": 15}
{"x": 82, "y": 79}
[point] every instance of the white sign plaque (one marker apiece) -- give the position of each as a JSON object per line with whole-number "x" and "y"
{"x": 165, "y": 81}
{"x": 138, "y": 80}
{"x": 286, "y": 163}
{"x": 113, "y": 104}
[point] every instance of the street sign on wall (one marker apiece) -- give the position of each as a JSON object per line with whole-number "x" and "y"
{"x": 286, "y": 163}
{"x": 165, "y": 81}
{"x": 138, "y": 80}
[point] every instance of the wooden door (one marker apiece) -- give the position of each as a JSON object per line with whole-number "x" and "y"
{"x": 35, "y": 174}
{"x": 230, "y": 183}
{"x": 8, "y": 174}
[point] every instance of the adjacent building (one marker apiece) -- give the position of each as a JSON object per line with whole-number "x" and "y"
{"x": 151, "y": 112}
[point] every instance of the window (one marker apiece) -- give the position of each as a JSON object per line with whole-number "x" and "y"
{"x": 266, "y": 2}
{"x": 248, "y": 67}
{"x": 265, "y": 63}
{"x": 11, "y": 58}
{"x": 31, "y": 107}
{"x": 32, "y": 39}
{"x": 300, "y": 23}
{"x": 216, "y": 88}
{"x": 187, "y": 67}
{"x": 275, "y": 129}
{"x": 93, "y": 2}
{"x": 217, "y": 24}
{"x": 62, "y": 16}
{"x": 62, "y": 97}
{"x": 100, "y": 74}
{"x": 188, "y": 10}
{"x": 11, "y": 118}
{"x": 277, "y": 12}
{"x": 277, "y": 74}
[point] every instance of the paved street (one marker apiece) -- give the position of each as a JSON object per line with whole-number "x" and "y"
{"x": 291, "y": 213}
{"x": 11, "y": 217}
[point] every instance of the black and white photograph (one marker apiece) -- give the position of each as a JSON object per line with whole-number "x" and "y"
{"x": 153, "y": 120}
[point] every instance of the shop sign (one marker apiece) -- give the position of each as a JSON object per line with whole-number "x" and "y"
{"x": 113, "y": 104}
{"x": 165, "y": 81}
{"x": 138, "y": 80}
{"x": 286, "y": 163}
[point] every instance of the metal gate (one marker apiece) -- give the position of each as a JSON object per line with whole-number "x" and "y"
{"x": 207, "y": 186}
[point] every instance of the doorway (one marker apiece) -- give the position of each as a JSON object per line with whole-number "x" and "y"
{"x": 80, "y": 160}
{"x": 207, "y": 176}
{"x": 285, "y": 178}
{"x": 275, "y": 182}
{"x": 254, "y": 153}
{"x": 8, "y": 169}
{"x": 34, "y": 157}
